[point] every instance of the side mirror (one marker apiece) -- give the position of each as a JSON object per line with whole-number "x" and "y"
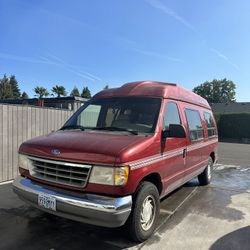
{"x": 174, "y": 131}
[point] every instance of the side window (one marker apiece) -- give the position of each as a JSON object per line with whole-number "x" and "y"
{"x": 90, "y": 116}
{"x": 210, "y": 124}
{"x": 171, "y": 115}
{"x": 194, "y": 124}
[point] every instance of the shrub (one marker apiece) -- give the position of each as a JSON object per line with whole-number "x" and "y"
{"x": 233, "y": 126}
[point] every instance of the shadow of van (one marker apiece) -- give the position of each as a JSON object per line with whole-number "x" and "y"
{"x": 236, "y": 240}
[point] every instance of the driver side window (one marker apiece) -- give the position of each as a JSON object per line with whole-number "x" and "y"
{"x": 171, "y": 115}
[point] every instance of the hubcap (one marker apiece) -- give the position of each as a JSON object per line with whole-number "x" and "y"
{"x": 148, "y": 212}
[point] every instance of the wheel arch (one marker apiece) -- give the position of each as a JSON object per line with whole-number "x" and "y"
{"x": 155, "y": 179}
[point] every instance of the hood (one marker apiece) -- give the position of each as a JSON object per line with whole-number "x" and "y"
{"x": 87, "y": 146}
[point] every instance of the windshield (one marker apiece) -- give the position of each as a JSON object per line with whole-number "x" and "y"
{"x": 131, "y": 114}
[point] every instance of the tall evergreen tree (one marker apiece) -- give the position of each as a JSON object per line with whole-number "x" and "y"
{"x": 5, "y": 88}
{"x": 14, "y": 86}
{"x": 86, "y": 93}
{"x": 75, "y": 92}
{"x": 24, "y": 95}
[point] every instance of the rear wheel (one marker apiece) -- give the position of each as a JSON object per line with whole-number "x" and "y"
{"x": 206, "y": 176}
{"x": 142, "y": 221}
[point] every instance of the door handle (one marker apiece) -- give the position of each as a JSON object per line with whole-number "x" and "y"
{"x": 184, "y": 152}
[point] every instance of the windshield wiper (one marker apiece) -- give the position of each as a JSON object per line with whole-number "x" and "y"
{"x": 134, "y": 132}
{"x": 73, "y": 127}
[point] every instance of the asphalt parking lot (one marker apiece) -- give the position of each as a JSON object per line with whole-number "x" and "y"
{"x": 193, "y": 217}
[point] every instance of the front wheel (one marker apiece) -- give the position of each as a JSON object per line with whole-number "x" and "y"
{"x": 143, "y": 218}
{"x": 206, "y": 176}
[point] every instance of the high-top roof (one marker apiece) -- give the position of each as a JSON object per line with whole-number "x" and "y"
{"x": 154, "y": 89}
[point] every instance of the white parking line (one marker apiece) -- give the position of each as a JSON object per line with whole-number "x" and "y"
{"x": 6, "y": 182}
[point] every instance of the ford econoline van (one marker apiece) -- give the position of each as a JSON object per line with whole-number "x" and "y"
{"x": 119, "y": 154}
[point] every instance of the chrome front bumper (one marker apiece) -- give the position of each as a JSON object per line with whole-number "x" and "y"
{"x": 88, "y": 208}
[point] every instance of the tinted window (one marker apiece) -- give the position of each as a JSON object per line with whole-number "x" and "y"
{"x": 171, "y": 115}
{"x": 133, "y": 113}
{"x": 210, "y": 124}
{"x": 194, "y": 124}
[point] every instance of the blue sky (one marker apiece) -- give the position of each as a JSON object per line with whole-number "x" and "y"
{"x": 94, "y": 43}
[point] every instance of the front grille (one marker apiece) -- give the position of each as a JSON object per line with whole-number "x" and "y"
{"x": 66, "y": 173}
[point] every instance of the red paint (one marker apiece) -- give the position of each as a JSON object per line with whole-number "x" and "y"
{"x": 98, "y": 147}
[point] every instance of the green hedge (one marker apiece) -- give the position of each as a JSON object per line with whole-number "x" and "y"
{"x": 233, "y": 126}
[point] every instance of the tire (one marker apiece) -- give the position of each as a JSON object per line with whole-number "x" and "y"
{"x": 145, "y": 210}
{"x": 206, "y": 176}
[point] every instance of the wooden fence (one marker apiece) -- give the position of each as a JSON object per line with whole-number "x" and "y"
{"x": 19, "y": 123}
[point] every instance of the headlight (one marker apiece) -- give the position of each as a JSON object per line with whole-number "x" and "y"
{"x": 109, "y": 176}
{"x": 23, "y": 161}
{"x": 102, "y": 175}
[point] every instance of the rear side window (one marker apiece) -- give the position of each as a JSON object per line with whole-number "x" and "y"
{"x": 194, "y": 124}
{"x": 210, "y": 124}
{"x": 171, "y": 115}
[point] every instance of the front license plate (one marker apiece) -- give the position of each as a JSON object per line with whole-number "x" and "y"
{"x": 47, "y": 201}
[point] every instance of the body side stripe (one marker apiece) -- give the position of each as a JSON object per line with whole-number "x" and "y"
{"x": 159, "y": 157}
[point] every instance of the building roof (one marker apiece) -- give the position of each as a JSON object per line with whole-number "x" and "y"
{"x": 231, "y": 107}
{"x": 154, "y": 88}
{"x": 46, "y": 100}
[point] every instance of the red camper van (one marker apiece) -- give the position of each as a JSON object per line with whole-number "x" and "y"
{"x": 119, "y": 154}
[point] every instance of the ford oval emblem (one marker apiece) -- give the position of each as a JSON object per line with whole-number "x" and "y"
{"x": 55, "y": 151}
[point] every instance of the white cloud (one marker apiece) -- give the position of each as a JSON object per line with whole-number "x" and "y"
{"x": 72, "y": 68}
{"x": 225, "y": 58}
{"x": 52, "y": 60}
{"x": 22, "y": 58}
{"x": 113, "y": 38}
{"x": 157, "y": 55}
{"x": 159, "y": 5}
